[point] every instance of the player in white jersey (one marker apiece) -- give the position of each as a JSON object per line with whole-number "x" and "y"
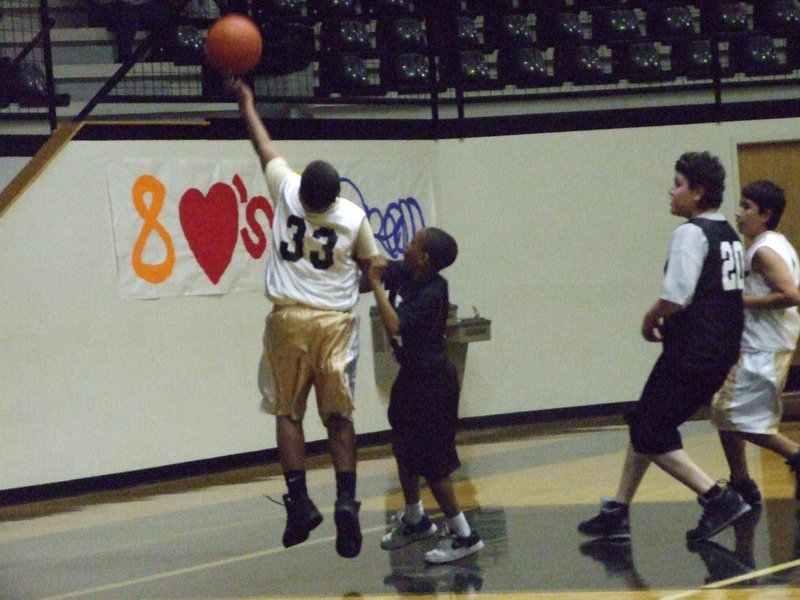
{"x": 319, "y": 241}
{"x": 748, "y": 407}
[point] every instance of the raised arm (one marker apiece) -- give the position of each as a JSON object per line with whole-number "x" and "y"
{"x": 776, "y": 272}
{"x": 259, "y": 136}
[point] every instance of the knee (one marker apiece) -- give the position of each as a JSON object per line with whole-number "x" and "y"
{"x": 650, "y": 441}
{"x": 288, "y": 425}
{"x": 640, "y": 441}
{"x": 338, "y": 426}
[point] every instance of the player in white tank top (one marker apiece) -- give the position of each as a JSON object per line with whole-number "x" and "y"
{"x": 318, "y": 243}
{"x": 772, "y": 328}
{"x": 748, "y": 407}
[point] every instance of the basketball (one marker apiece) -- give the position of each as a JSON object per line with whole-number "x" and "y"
{"x": 233, "y": 44}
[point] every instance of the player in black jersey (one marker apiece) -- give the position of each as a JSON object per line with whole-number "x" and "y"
{"x": 698, "y": 318}
{"x": 423, "y": 406}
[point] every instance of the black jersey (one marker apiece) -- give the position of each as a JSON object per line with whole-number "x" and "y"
{"x": 707, "y": 332}
{"x": 423, "y": 311}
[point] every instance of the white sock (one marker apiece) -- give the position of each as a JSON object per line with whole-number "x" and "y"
{"x": 413, "y": 513}
{"x": 459, "y": 525}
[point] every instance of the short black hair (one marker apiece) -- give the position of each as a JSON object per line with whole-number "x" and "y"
{"x": 441, "y": 247}
{"x": 702, "y": 169}
{"x": 766, "y": 195}
{"x": 319, "y": 185}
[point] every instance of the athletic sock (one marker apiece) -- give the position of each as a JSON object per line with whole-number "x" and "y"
{"x": 296, "y": 483}
{"x": 346, "y": 484}
{"x": 413, "y": 513}
{"x": 459, "y": 525}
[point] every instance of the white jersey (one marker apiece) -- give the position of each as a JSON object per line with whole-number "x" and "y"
{"x": 312, "y": 255}
{"x": 772, "y": 329}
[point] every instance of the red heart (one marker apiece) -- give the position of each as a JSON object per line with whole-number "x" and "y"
{"x": 211, "y": 226}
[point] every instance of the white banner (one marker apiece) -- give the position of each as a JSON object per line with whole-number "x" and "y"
{"x": 201, "y": 227}
{"x": 397, "y": 194}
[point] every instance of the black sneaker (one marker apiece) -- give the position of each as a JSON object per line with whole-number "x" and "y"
{"x": 611, "y": 522}
{"x": 301, "y": 517}
{"x": 794, "y": 466}
{"x": 348, "y": 528}
{"x": 718, "y": 513}
{"x": 747, "y": 489}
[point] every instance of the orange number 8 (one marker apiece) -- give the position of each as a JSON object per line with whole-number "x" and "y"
{"x": 157, "y": 272}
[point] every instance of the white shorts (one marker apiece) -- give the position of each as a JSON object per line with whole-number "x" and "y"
{"x": 750, "y": 399}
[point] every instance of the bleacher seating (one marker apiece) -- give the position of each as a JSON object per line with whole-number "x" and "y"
{"x": 348, "y": 51}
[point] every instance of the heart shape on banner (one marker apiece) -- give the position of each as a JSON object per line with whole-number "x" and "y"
{"x": 211, "y": 226}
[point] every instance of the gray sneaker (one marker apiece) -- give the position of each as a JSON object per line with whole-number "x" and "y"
{"x": 403, "y": 533}
{"x": 454, "y": 547}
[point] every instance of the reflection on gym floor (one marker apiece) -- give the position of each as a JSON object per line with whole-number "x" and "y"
{"x": 525, "y": 490}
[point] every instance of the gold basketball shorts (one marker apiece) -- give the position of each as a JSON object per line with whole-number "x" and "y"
{"x": 306, "y": 347}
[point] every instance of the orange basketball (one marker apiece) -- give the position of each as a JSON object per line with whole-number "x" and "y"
{"x": 233, "y": 44}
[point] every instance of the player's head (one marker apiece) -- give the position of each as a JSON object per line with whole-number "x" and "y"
{"x": 703, "y": 171}
{"x": 319, "y": 185}
{"x": 430, "y": 251}
{"x": 767, "y": 195}
{"x": 441, "y": 247}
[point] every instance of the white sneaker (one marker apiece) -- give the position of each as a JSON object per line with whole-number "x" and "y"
{"x": 402, "y": 533}
{"x": 454, "y": 547}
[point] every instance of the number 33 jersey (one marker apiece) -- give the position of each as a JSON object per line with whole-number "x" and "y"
{"x": 312, "y": 256}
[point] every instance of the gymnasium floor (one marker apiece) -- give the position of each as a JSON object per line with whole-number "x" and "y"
{"x": 525, "y": 490}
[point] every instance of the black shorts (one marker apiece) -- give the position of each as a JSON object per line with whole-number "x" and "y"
{"x": 423, "y": 413}
{"x": 672, "y": 394}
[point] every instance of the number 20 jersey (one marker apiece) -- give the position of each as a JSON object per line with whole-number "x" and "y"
{"x": 706, "y": 332}
{"x": 312, "y": 256}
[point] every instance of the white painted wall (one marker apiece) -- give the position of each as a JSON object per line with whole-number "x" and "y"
{"x": 9, "y": 167}
{"x": 563, "y": 238}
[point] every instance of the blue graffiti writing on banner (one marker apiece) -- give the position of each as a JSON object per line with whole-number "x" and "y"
{"x": 398, "y": 222}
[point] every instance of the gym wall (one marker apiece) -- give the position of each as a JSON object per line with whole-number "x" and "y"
{"x": 563, "y": 237}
